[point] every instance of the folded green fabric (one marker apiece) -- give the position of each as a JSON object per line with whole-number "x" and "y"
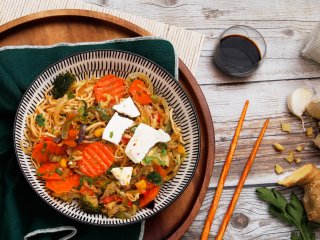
{"x": 21, "y": 209}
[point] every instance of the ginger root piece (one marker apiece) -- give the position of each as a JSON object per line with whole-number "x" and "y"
{"x": 308, "y": 177}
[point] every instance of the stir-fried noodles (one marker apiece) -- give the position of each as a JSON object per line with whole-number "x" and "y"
{"x": 73, "y": 153}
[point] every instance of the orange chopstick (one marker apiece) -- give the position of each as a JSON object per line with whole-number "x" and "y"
{"x": 223, "y": 176}
{"x": 243, "y": 177}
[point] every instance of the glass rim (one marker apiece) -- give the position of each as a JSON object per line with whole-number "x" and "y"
{"x": 251, "y": 28}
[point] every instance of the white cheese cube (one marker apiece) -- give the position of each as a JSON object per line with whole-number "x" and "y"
{"x": 127, "y": 107}
{"x": 144, "y": 138}
{"x": 115, "y": 128}
{"x": 123, "y": 174}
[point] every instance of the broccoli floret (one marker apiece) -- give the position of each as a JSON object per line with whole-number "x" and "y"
{"x": 62, "y": 84}
{"x": 90, "y": 204}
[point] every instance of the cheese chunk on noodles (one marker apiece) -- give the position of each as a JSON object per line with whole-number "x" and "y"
{"x": 144, "y": 138}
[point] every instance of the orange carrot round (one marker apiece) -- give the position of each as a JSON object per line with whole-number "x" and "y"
{"x": 139, "y": 92}
{"x": 109, "y": 85}
{"x": 43, "y": 150}
{"x": 49, "y": 171}
{"x": 63, "y": 185}
{"x": 96, "y": 159}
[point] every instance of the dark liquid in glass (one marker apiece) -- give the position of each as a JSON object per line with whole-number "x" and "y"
{"x": 237, "y": 55}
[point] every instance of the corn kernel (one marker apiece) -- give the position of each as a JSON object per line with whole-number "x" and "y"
{"x": 181, "y": 149}
{"x": 141, "y": 184}
{"x": 98, "y": 132}
{"x": 63, "y": 162}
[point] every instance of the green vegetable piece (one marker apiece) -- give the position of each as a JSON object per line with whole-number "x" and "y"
{"x": 70, "y": 95}
{"x": 61, "y": 84}
{"x": 80, "y": 183}
{"x": 40, "y": 120}
{"x": 89, "y": 180}
{"x": 111, "y": 134}
{"x": 44, "y": 147}
{"x": 147, "y": 160}
{"x": 57, "y": 170}
{"x": 90, "y": 204}
{"x": 155, "y": 178}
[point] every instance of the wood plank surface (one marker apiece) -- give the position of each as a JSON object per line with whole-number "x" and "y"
{"x": 285, "y": 26}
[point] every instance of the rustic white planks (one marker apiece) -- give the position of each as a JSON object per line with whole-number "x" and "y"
{"x": 285, "y": 25}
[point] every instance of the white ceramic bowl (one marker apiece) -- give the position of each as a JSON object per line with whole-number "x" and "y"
{"x": 120, "y": 63}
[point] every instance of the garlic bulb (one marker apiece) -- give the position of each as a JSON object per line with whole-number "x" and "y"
{"x": 313, "y": 108}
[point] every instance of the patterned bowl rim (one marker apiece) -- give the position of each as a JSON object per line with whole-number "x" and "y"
{"x": 176, "y": 82}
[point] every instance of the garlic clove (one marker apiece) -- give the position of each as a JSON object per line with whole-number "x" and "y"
{"x": 298, "y": 100}
{"x": 313, "y": 108}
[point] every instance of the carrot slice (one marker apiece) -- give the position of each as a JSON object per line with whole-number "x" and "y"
{"x": 109, "y": 85}
{"x": 86, "y": 190}
{"x": 43, "y": 150}
{"x": 109, "y": 199}
{"x": 63, "y": 185}
{"x": 96, "y": 159}
{"x": 49, "y": 171}
{"x": 139, "y": 92}
{"x": 148, "y": 196}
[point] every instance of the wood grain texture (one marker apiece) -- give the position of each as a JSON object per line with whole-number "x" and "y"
{"x": 250, "y": 221}
{"x": 285, "y": 25}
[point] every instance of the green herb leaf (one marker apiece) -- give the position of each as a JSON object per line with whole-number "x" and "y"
{"x": 155, "y": 178}
{"x": 57, "y": 170}
{"x": 292, "y": 212}
{"x": 273, "y": 197}
{"x": 89, "y": 180}
{"x": 164, "y": 149}
{"x": 148, "y": 160}
{"x": 70, "y": 95}
{"x": 40, "y": 120}
{"x": 295, "y": 236}
{"x": 111, "y": 134}
{"x": 44, "y": 147}
{"x": 40, "y": 174}
{"x": 133, "y": 129}
{"x": 80, "y": 183}
{"x": 295, "y": 209}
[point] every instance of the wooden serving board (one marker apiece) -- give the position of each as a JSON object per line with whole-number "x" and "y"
{"x": 55, "y": 26}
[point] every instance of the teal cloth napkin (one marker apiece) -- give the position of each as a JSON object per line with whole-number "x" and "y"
{"x": 21, "y": 209}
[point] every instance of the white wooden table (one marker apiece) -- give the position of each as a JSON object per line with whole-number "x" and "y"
{"x": 285, "y": 25}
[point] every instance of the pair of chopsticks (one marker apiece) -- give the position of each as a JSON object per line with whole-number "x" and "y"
{"x": 223, "y": 176}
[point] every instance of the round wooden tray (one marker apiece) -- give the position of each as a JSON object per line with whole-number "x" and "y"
{"x": 55, "y": 26}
